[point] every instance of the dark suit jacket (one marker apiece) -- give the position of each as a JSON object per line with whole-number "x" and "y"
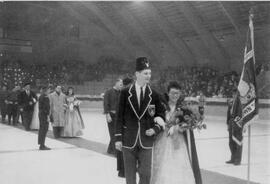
{"x": 111, "y": 99}
{"x": 133, "y": 122}
{"x": 44, "y": 107}
{"x": 24, "y": 100}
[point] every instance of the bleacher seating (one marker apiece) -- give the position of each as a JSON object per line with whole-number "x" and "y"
{"x": 92, "y": 79}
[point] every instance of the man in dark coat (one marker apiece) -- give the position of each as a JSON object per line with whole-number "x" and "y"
{"x": 44, "y": 117}
{"x": 27, "y": 100}
{"x": 119, "y": 154}
{"x": 110, "y": 105}
{"x": 236, "y": 149}
{"x": 12, "y": 105}
{"x": 140, "y": 118}
{"x": 3, "y": 102}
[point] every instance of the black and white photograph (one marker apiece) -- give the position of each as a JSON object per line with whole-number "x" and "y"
{"x": 134, "y": 92}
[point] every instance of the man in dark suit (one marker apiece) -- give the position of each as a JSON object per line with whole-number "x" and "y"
{"x": 110, "y": 105}
{"x": 12, "y": 105}
{"x": 140, "y": 118}
{"x": 44, "y": 117}
{"x": 3, "y": 102}
{"x": 27, "y": 100}
{"x": 127, "y": 81}
{"x": 236, "y": 149}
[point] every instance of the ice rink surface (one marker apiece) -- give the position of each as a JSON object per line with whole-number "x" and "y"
{"x": 84, "y": 160}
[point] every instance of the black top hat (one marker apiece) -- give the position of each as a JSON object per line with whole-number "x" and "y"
{"x": 142, "y": 63}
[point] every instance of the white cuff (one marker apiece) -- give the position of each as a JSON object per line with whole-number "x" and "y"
{"x": 160, "y": 121}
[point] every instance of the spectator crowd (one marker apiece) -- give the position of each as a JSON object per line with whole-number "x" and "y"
{"x": 193, "y": 80}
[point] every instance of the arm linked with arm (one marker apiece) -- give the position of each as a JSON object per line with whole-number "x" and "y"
{"x": 159, "y": 117}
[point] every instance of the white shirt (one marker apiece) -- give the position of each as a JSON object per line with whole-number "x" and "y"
{"x": 138, "y": 91}
{"x": 27, "y": 92}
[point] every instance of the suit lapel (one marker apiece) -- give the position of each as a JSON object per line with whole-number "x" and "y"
{"x": 133, "y": 101}
{"x": 146, "y": 101}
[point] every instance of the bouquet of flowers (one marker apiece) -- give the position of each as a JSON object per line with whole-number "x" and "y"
{"x": 186, "y": 117}
{"x": 77, "y": 103}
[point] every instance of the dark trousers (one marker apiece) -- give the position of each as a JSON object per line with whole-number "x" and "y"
{"x": 236, "y": 150}
{"x": 3, "y": 112}
{"x": 43, "y": 129}
{"x": 27, "y": 118}
{"x": 137, "y": 159}
{"x": 57, "y": 132}
{"x": 19, "y": 113}
{"x": 120, "y": 163}
{"x": 111, "y": 127}
{"x": 12, "y": 113}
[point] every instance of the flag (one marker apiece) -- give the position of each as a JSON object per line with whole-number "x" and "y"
{"x": 245, "y": 106}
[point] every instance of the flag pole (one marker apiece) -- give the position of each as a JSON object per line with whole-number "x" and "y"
{"x": 248, "y": 170}
{"x": 251, "y": 15}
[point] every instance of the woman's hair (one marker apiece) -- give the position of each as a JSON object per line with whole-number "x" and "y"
{"x": 173, "y": 85}
{"x": 127, "y": 81}
{"x": 69, "y": 89}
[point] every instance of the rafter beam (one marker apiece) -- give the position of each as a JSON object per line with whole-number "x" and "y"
{"x": 227, "y": 11}
{"x": 179, "y": 45}
{"x": 117, "y": 33}
{"x": 210, "y": 42}
{"x": 131, "y": 21}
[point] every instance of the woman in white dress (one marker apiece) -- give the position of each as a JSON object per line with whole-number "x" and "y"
{"x": 73, "y": 120}
{"x": 174, "y": 154}
{"x": 35, "y": 120}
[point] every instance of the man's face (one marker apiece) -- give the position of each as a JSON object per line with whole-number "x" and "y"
{"x": 48, "y": 91}
{"x": 27, "y": 87}
{"x": 58, "y": 89}
{"x": 119, "y": 84}
{"x": 144, "y": 76}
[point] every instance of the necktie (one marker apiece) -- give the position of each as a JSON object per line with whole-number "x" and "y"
{"x": 141, "y": 97}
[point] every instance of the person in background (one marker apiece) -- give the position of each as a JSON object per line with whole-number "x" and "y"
{"x": 57, "y": 107}
{"x": 74, "y": 122}
{"x": 119, "y": 154}
{"x": 110, "y": 105}
{"x": 35, "y": 120}
{"x": 44, "y": 116}
{"x": 27, "y": 100}
{"x": 19, "y": 111}
{"x": 12, "y": 105}
{"x": 3, "y": 102}
{"x": 202, "y": 102}
{"x": 236, "y": 150}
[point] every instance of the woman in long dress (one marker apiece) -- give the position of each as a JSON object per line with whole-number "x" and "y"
{"x": 174, "y": 154}
{"x": 73, "y": 120}
{"x": 35, "y": 120}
